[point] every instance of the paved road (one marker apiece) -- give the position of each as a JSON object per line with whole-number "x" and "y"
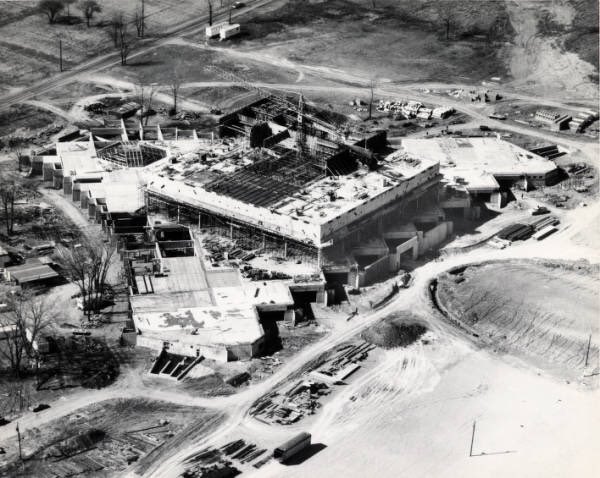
{"x": 196, "y": 25}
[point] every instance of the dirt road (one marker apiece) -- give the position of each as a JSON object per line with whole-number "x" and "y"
{"x": 416, "y": 299}
{"x": 236, "y": 407}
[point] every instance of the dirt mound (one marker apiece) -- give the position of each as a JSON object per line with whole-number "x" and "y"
{"x": 396, "y": 332}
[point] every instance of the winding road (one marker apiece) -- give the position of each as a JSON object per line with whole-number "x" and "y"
{"x": 236, "y": 407}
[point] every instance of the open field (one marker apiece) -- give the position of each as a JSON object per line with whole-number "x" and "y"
{"x": 27, "y": 36}
{"x": 542, "y": 311}
{"x": 334, "y": 33}
{"x": 103, "y": 439}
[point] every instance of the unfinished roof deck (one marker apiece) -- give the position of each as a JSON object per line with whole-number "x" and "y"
{"x": 476, "y": 163}
{"x": 330, "y": 197}
{"x": 312, "y": 212}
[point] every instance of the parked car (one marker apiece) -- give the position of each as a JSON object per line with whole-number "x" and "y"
{"x": 237, "y": 5}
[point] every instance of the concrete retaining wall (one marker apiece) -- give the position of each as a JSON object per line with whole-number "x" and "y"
{"x": 376, "y": 271}
{"x": 434, "y": 237}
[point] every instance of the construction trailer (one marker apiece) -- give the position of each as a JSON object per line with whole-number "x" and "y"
{"x": 228, "y": 31}
{"x": 214, "y": 30}
{"x": 292, "y": 447}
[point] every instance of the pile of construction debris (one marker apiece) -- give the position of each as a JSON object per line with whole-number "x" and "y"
{"x": 538, "y": 228}
{"x": 262, "y": 274}
{"x": 303, "y": 397}
{"x": 219, "y": 462}
{"x": 403, "y": 109}
{"x": 289, "y": 407}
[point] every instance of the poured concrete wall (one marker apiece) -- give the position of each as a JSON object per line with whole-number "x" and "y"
{"x": 376, "y": 271}
{"x": 395, "y": 257}
{"x": 393, "y": 194}
{"x": 434, "y": 237}
{"x": 218, "y": 353}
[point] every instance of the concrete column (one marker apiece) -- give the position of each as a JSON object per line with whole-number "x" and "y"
{"x": 289, "y": 315}
{"x": 285, "y": 249}
{"x": 177, "y": 214}
{"x": 415, "y": 251}
{"x": 230, "y": 230}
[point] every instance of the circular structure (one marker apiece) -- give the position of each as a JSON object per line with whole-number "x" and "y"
{"x": 543, "y": 311}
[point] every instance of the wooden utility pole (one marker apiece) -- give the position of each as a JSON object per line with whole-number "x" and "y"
{"x": 587, "y": 353}
{"x": 472, "y": 440}
{"x": 60, "y": 60}
{"x": 209, "y": 13}
{"x": 143, "y": 19}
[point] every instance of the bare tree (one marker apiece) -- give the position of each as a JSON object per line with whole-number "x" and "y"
{"x": 116, "y": 24}
{"x": 13, "y": 187}
{"x": 51, "y": 8}
{"x": 20, "y": 327}
{"x": 68, "y": 3}
{"x": 87, "y": 265}
{"x": 17, "y": 146}
{"x": 124, "y": 48}
{"x": 138, "y": 21}
{"x": 145, "y": 97}
{"x": 88, "y": 8}
{"x": 174, "y": 86}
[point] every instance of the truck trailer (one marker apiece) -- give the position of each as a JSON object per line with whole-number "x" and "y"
{"x": 214, "y": 30}
{"x": 228, "y": 31}
{"x": 292, "y": 447}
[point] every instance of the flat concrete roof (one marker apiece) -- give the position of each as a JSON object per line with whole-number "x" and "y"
{"x": 476, "y": 163}
{"x": 77, "y": 157}
{"x": 199, "y": 306}
{"x": 181, "y": 274}
{"x": 210, "y": 325}
{"x": 170, "y": 301}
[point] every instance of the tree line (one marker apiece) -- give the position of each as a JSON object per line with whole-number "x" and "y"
{"x": 118, "y": 27}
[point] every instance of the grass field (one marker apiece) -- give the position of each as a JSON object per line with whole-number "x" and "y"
{"x": 338, "y": 33}
{"x": 29, "y": 46}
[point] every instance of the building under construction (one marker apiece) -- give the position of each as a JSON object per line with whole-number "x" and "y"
{"x": 305, "y": 188}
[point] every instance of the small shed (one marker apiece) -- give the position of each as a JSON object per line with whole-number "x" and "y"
{"x": 32, "y": 272}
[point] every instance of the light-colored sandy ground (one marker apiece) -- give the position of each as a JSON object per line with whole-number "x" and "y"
{"x": 414, "y": 417}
